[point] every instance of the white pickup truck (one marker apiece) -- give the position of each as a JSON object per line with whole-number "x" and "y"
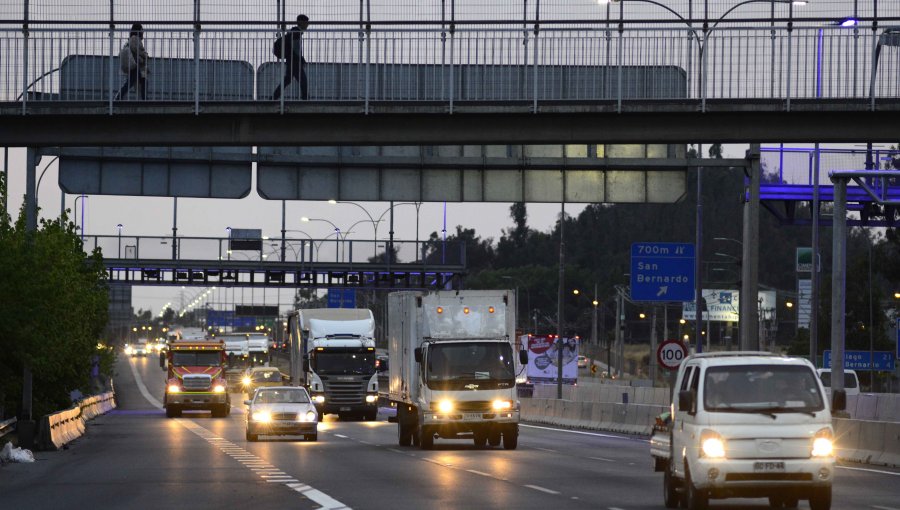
{"x": 746, "y": 424}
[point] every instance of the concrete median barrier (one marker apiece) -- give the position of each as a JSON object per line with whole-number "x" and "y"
{"x": 63, "y": 427}
{"x": 890, "y": 455}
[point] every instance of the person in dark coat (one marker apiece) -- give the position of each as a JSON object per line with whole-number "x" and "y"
{"x": 295, "y": 64}
{"x": 133, "y": 63}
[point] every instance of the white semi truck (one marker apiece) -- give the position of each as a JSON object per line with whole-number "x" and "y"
{"x": 333, "y": 356}
{"x": 453, "y": 366}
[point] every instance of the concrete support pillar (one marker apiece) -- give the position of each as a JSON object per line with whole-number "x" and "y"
{"x": 749, "y": 318}
{"x": 838, "y": 281}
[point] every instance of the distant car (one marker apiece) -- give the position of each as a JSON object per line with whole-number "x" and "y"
{"x": 259, "y": 377}
{"x": 583, "y": 362}
{"x": 851, "y": 381}
{"x": 282, "y": 410}
{"x": 139, "y": 349}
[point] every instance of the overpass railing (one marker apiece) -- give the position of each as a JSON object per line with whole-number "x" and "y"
{"x": 529, "y": 64}
{"x": 269, "y": 250}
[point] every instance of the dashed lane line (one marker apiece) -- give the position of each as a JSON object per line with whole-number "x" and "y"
{"x": 879, "y": 471}
{"x": 318, "y": 497}
{"x": 542, "y": 489}
{"x": 604, "y": 459}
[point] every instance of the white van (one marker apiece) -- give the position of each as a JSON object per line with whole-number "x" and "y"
{"x": 747, "y": 425}
{"x": 851, "y": 381}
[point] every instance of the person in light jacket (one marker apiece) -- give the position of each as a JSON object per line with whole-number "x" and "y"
{"x": 133, "y": 63}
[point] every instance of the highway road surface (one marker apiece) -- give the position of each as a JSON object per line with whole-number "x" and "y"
{"x": 136, "y": 458}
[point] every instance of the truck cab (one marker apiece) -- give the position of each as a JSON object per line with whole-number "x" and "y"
{"x": 195, "y": 378}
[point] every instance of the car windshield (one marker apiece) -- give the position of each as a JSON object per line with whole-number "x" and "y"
{"x": 266, "y": 376}
{"x": 761, "y": 388}
{"x": 484, "y": 364}
{"x": 849, "y": 380}
{"x": 288, "y": 396}
{"x": 196, "y": 359}
{"x": 362, "y": 363}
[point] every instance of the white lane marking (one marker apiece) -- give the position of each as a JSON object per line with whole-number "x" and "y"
{"x": 883, "y": 507}
{"x": 341, "y": 436}
{"x": 602, "y": 458}
{"x": 595, "y": 434}
{"x": 142, "y": 388}
{"x": 542, "y": 489}
{"x": 880, "y": 472}
{"x": 364, "y": 442}
{"x": 614, "y": 508}
{"x": 396, "y": 451}
{"x": 482, "y": 473}
{"x": 325, "y": 501}
{"x": 544, "y": 449}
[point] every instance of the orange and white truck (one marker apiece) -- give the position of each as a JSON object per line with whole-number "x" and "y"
{"x": 195, "y": 378}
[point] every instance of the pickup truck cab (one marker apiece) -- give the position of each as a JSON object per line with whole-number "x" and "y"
{"x": 748, "y": 425}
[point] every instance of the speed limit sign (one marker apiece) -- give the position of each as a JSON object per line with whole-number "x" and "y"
{"x": 670, "y": 354}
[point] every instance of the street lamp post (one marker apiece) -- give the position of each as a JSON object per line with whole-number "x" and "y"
{"x": 337, "y": 240}
{"x": 119, "y": 228}
{"x": 82, "y": 197}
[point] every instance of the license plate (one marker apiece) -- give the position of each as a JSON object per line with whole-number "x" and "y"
{"x": 768, "y": 467}
{"x": 472, "y": 416}
{"x": 344, "y": 409}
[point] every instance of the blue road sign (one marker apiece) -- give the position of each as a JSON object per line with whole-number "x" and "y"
{"x": 662, "y": 272}
{"x": 341, "y": 298}
{"x": 859, "y": 360}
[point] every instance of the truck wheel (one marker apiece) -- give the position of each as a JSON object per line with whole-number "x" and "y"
{"x": 426, "y": 438}
{"x": 480, "y": 438}
{"x": 372, "y": 415}
{"x": 311, "y": 437}
{"x": 404, "y": 435}
{"x": 695, "y": 498}
{"x": 511, "y": 438}
{"x": 494, "y": 436}
{"x": 252, "y": 437}
{"x": 670, "y": 489}
{"x": 173, "y": 412}
{"x": 820, "y": 499}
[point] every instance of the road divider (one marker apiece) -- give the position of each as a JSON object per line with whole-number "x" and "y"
{"x": 58, "y": 429}
{"x": 609, "y": 416}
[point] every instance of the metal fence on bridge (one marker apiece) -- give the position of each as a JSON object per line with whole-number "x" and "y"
{"x": 420, "y": 56}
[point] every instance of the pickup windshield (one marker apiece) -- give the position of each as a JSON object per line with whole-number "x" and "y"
{"x": 484, "y": 365}
{"x": 337, "y": 363}
{"x": 196, "y": 359}
{"x": 764, "y": 389}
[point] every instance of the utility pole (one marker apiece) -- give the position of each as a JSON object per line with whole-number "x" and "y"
{"x": 749, "y": 313}
{"x": 560, "y": 304}
{"x": 26, "y": 424}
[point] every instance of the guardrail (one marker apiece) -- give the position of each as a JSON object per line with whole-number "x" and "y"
{"x": 61, "y": 428}
{"x": 546, "y": 63}
{"x": 7, "y": 426}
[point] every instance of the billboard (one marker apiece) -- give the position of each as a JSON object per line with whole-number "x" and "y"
{"x": 543, "y": 355}
{"x": 722, "y": 305}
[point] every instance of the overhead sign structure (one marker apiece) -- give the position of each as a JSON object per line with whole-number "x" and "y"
{"x": 662, "y": 272}
{"x": 860, "y": 360}
{"x": 670, "y": 354}
{"x": 722, "y": 305}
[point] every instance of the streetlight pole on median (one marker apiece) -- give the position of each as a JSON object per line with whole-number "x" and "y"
{"x": 337, "y": 240}
{"x": 119, "y": 229}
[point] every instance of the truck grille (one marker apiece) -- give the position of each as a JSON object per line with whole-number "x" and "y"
{"x": 196, "y": 382}
{"x": 345, "y": 392}
{"x": 474, "y": 406}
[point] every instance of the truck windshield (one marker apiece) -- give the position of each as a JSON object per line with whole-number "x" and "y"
{"x": 761, "y": 388}
{"x": 488, "y": 365}
{"x": 335, "y": 363}
{"x": 196, "y": 359}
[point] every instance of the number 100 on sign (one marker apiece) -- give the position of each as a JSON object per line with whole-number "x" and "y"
{"x": 670, "y": 354}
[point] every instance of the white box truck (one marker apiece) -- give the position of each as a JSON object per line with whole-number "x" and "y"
{"x": 452, "y": 366}
{"x": 333, "y": 356}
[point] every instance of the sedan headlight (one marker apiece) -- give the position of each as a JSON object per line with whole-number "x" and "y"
{"x": 712, "y": 445}
{"x": 246, "y": 381}
{"x": 262, "y": 416}
{"x": 823, "y": 443}
{"x": 371, "y": 398}
{"x": 219, "y": 388}
{"x": 308, "y": 416}
{"x": 501, "y": 405}
{"x": 319, "y": 399}
{"x": 445, "y": 406}
{"x": 174, "y": 388}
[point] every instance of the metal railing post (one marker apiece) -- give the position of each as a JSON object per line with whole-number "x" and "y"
{"x": 790, "y": 29}
{"x": 451, "y": 76}
{"x": 25, "y": 59}
{"x": 112, "y": 53}
{"x": 196, "y": 57}
{"x": 534, "y": 72}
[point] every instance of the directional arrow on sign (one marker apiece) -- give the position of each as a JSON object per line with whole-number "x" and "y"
{"x": 662, "y": 291}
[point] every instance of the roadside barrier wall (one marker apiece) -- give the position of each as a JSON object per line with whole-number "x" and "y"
{"x": 615, "y": 417}
{"x": 63, "y": 427}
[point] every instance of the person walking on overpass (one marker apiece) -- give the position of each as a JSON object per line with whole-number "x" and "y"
{"x": 290, "y": 48}
{"x": 133, "y": 63}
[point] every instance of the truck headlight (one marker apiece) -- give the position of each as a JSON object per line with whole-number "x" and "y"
{"x": 823, "y": 444}
{"x": 371, "y": 398}
{"x": 501, "y": 405}
{"x": 262, "y": 416}
{"x": 445, "y": 406}
{"x": 712, "y": 444}
{"x": 174, "y": 388}
{"x": 319, "y": 399}
{"x": 219, "y": 388}
{"x": 246, "y": 381}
